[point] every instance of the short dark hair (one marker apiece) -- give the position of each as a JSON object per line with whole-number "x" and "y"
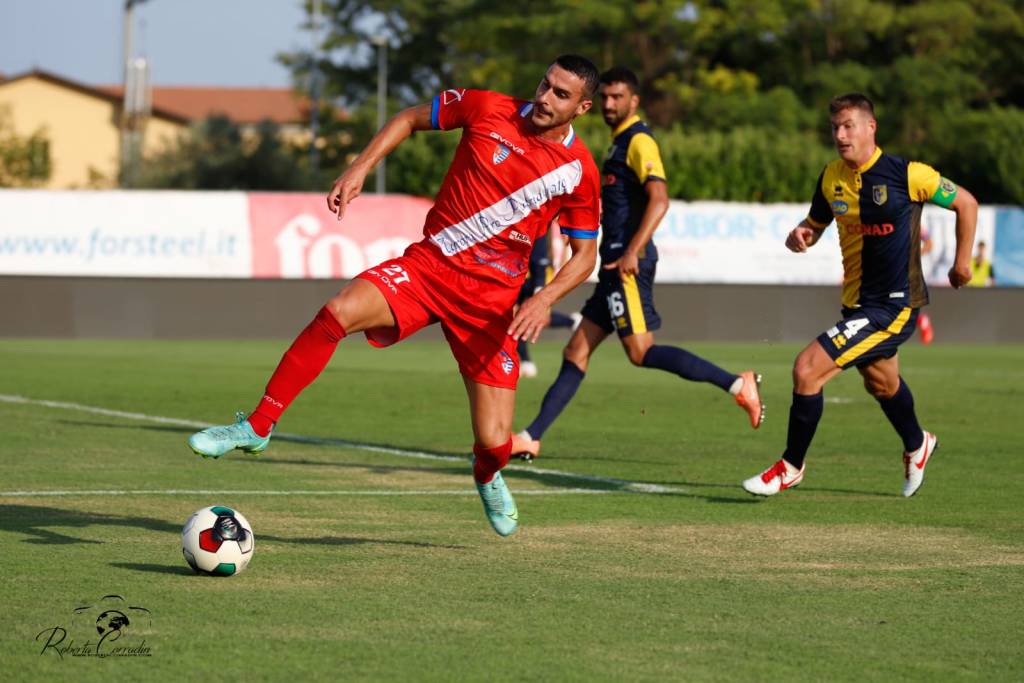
{"x": 584, "y": 68}
{"x": 620, "y": 74}
{"x": 853, "y": 100}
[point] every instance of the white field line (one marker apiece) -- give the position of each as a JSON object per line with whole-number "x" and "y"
{"x": 200, "y": 492}
{"x": 620, "y": 484}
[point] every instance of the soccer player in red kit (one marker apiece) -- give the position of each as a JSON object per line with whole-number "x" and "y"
{"x": 518, "y": 166}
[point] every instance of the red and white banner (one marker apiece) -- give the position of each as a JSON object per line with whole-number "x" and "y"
{"x": 295, "y": 236}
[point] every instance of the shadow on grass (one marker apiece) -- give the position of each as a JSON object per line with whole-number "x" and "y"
{"x": 345, "y": 540}
{"x": 589, "y": 457}
{"x": 37, "y": 522}
{"x": 851, "y": 492}
{"x": 803, "y": 488}
{"x": 540, "y": 476}
{"x": 155, "y": 568}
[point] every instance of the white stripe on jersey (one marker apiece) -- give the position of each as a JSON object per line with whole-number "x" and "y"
{"x": 492, "y": 220}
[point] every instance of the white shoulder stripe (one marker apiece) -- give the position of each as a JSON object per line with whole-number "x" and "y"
{"x": 492, "y": 220}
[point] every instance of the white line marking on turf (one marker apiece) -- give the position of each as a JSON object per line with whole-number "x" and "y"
{"x": 622, "y": 484}
{"x": 201, "y": 492}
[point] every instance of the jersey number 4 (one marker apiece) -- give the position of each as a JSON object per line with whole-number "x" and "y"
{"x": 850, "y": 329}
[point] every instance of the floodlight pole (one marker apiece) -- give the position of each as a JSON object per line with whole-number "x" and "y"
{"x": 382, "y": 101}
{"x": 314, "y": 89}
{"x": 129, "y": 139}
{"x": 126, "y": 47}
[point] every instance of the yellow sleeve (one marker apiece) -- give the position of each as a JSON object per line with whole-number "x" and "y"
{"x": 922, "y": 181}
{"x": 644, "y": 158}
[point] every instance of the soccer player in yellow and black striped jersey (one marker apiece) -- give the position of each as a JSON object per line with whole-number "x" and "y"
{"x": 876, "y": 200}
{"x": 634, "y": 198}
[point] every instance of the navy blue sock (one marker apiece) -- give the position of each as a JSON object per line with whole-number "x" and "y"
{"x": 523, "y": 349}
{"x": 804, "y": 415}
{"x": 899, "y": 408}
{"x": 687, "y": 366}
{"x": 558, "y": 397}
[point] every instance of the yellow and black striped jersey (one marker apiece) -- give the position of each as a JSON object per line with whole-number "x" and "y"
{"x": 632, "y": 161}
{"x": 877, "y": 208}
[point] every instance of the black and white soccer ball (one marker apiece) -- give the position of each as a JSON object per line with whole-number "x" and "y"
{"x": 217, "y": 541}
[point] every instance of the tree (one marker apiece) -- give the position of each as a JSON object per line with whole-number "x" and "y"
{"x": 712, "y": 67}
{"x": 217, "y": 154}
{"x": 24, "y": 161}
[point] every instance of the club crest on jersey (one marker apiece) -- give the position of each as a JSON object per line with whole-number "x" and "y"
{"x": 507, "y": 364}
{"x": 879, "y": 193}
{"x": 452, "y": 95}
{"x": 501, "y": 153}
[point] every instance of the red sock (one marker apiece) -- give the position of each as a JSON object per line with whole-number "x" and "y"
{"x": 490, "y": 460}
{"x": 301, "y": 364}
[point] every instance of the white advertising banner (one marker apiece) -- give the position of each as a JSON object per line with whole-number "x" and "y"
{"x": 741, "y": 244}
{"x": 131, "y": 234}
{"x": 719, "y": 242}
{"x": 938, "y": 240}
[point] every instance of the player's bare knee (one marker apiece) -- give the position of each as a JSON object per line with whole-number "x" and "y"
{"x": 803, "y": 370}
{"x": 358, "y": 306}
{"x": 494, "y": 435}
{"x": 339, "y": 306}
{"x": 636, "y": 354}
{"x": 806, "y": 376}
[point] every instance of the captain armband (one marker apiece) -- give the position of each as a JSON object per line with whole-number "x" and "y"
{"x": 945, "y": 193}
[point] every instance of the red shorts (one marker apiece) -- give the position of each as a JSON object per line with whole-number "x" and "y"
{"x": 475, "y": 314}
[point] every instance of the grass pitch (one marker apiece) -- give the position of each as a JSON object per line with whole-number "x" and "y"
{"x": 374, "y": 560}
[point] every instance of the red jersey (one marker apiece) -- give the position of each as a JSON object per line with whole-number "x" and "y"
{"x": 504, "y": 187}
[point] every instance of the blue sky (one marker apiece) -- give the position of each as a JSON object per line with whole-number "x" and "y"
{"x": 188, "y": 42}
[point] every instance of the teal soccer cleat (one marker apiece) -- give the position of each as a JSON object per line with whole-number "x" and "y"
{"x": 498, "y": 505}
{"x": 214, "y": 442}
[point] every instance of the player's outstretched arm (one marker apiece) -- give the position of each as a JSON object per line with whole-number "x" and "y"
{"x": 350, "y": 183}
{"x": 803, "y": 237}
{"x": 535, "y": 313}
{"x": 966, "y": 208}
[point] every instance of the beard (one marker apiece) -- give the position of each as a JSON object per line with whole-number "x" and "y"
{"x": 613, "y": 118}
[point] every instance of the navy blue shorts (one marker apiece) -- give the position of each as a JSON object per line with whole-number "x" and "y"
{"x": 624, "y": 305}
{"x": 868, "y": 333}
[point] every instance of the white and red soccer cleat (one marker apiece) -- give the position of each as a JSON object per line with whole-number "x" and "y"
{"x": 914, "y": 464}
{"x": 774, "y": 479}
{"x": 525, "y": 446}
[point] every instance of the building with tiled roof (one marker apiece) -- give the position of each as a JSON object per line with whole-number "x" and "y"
{"x": 82, "y": 122}
{"x": 241, "y": 105}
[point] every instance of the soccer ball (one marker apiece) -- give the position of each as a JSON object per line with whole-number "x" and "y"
{"x": 217, "y": 541}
